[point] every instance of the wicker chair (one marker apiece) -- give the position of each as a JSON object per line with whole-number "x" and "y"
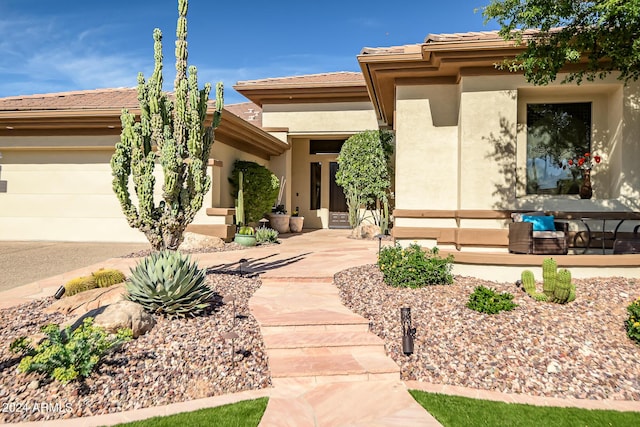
{"x": 523, "y": 240}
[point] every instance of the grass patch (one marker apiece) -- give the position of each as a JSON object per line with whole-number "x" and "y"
{"x": 455, "y": 411}
{"x": 247, "y": 413}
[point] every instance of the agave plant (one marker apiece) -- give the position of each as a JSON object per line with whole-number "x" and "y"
{"x": 168, "y": 283}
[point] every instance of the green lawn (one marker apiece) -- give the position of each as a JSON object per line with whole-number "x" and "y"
{"x": 242, "y": 414}
{"x": 455, "y": 411}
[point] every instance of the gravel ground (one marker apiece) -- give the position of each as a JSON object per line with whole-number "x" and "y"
{"x": 178, "y": 360}
{"x": 577, "y": 350}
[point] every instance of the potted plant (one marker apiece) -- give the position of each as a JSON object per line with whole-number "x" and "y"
{"x": 245, "y": 236}
{"x": 296, "y": 222}
{"x": 279, "y": 219}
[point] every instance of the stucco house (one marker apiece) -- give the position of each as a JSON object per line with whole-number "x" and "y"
{"x": 473, "y": 144}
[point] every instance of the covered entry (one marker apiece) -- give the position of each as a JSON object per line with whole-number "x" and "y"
{"x": 314, "y": 190}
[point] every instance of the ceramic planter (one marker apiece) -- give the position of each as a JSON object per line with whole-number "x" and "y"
{"x": 280, "y": 222}
{"x": 296, "y": 223}
{"x": 245, "y": 239}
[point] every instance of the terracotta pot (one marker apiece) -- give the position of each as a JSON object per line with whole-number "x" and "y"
{"x": 280, "y": 222}
{"x": 585, "y": 189}
{"x": 296, "y": 223}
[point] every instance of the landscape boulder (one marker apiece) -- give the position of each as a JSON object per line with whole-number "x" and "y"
{"x": 121, "y": 314}
{"x": 83, "y": 302}
{"x": 195, "y": 241}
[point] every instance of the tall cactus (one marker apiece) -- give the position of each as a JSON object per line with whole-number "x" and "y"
{"x": 549, "y": 269}
{"x": 529, "y": 285}
{"x": 172, "y": 132}
{"x": 240, "y": 207}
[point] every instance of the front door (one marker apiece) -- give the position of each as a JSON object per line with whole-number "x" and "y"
{"x": 338, "y": 210}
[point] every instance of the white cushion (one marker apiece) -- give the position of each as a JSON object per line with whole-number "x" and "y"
{"x": 548, "y": 234}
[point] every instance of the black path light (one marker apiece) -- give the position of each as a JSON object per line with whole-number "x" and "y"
{"x": 230, "y": 298}
{"x": 61, "y": 290}
{"x": 408, "y": 332}
{"x": 379, "y": 237}
{"x": 241, "y": 262}
{"x": 232, "y": 336}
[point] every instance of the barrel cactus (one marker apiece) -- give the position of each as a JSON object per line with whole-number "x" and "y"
{"x": 79, "y": 284}
{"x": 168, "y": 283}
{"x": 172, "y": 132}
{"x": 108, "y": 277}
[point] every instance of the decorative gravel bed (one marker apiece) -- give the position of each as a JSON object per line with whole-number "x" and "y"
{"x": 180, "y": 359}
{"x": 577, "y": 350}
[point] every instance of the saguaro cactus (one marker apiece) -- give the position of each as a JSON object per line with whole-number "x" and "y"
{"x": 172, "y": 132}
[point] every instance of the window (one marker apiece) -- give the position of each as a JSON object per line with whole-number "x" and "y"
{"x": 316, "y": 185}
{"x": 325, "y": 146}
{"x": 556, "y": 133}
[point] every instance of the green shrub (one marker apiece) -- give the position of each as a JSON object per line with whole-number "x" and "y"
{"x": 266, "y": 235}
{"x": 413, "y": 267}
{"x": 633, "y": 321}
{"x": 168, "y": 283}
{"x": 260, "y": 189}
{"x": 487, "y": 300}
{"x": 65, "y": 354}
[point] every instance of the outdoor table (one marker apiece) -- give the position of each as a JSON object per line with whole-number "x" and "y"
{"x": 602, "y": 234}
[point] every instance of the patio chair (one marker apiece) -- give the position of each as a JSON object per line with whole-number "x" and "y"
{"x": 524, "y": 239}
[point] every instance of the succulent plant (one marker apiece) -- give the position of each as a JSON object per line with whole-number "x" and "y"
{"x": 247, "y": 231}
{"x": 108, "y": 277}
{"x": 168, "y": 283}
{"x": 266, "y": 235}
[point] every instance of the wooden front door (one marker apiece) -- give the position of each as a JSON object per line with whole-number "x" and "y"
{"x": 338, "y": 210}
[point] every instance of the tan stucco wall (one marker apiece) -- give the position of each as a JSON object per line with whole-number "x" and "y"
{"x": 313, "y": 121}
{"x": 65, "y": 193}
{"x": 470, "y": 163}
{"x": 320, "y": 118}
{"x": 463, "y": 146}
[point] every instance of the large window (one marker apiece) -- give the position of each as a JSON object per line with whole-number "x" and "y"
{"x": 555, "y": 134}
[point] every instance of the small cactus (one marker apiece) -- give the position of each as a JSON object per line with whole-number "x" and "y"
{"x": 529, "y": 285}
{"x": 563, "y": 287}
{"x": 79, "y": 284}
{"x": 108, "y": 277}
{"x": 528, "y": 282}
{"x": 557, "y": 284}
{"x": 549, "y": 271}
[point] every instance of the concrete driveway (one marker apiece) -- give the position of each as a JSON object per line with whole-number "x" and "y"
{"x": 25, "y": 262}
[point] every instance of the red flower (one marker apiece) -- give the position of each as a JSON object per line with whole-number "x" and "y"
{"x": 597, "y": 159}
{"x": 570, "y": 162}
{"x": 587, "y": 154}
{"x": 580, "y": 161}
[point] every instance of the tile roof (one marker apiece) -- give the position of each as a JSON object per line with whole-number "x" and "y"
{"x": 310, "y": 79}
{"x": 247, "y": 111}
{"x": 463, "y": 37}
{"x": 79, "y": 100}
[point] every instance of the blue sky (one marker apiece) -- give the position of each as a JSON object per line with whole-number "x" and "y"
{"x": 64, "y": 45}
